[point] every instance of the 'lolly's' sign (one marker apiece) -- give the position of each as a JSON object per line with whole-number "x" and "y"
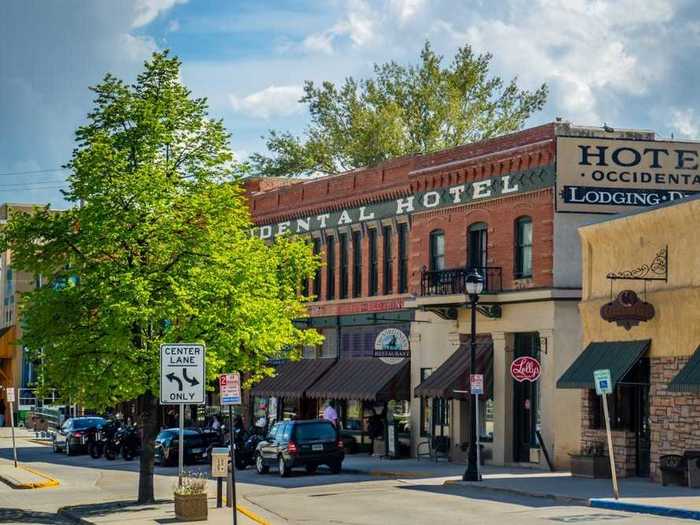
{"x": 525, "y": 369}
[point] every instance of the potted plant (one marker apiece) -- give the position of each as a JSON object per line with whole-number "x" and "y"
{"x": 191, "y": 497}
{"x": 593, "y": 462}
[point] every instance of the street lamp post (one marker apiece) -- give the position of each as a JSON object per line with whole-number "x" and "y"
{"x": 474, "y": 285}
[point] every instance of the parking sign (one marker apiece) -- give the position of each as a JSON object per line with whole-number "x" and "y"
{"x": 603, "y": 382}
{"x": 230, "y": 389}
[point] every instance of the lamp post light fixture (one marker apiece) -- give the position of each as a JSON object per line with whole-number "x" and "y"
{"x": 474, "y": 286}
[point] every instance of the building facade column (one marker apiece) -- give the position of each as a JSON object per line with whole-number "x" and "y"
{"x": 502, "y": 398}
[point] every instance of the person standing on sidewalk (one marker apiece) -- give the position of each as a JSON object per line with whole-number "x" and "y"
{"x": 329, "y": 414}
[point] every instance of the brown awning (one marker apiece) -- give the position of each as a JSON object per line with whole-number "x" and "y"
{"x": 452, "y": 374}
{"x": 293, "y": 378}
{"x": 364, "y": 378}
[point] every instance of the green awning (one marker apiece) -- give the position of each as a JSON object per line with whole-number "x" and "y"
{"x": 688, "y": 379}
{"x": 618, "y": 356}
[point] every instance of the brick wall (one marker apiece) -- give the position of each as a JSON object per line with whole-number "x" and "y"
{"x": 674, "y": 416}
{"x": 623, "y": 441}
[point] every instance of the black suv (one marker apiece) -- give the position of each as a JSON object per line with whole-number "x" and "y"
{"x": 307, "y": 444}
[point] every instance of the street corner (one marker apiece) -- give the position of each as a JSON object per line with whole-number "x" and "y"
{"x": 23, "y": 477}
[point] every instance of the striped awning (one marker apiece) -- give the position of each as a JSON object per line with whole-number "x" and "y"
{"x": 367, "y": 378}
{"x": 293, "y": 378}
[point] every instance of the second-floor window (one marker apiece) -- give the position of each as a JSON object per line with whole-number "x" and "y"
{"x": 330, "y": 268}
{"x": 317, "y": 275}
{"x": 523, "y": 247}
{"x": 356, "y": 264}
{"x": 388, "y": 274}
{"x": 343, "y": 240}
{"x": 403, "y": 257}
{"x": 373, "y": 270}
{"x": 477, "y": 238}
{"x": 437, "y": 251}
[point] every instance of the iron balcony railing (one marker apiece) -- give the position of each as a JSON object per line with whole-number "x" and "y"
{"x": 453, "y": 281}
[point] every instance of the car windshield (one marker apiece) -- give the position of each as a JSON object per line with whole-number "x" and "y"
{"x": 88, "y": 423}
{"x": 315, "y": 432}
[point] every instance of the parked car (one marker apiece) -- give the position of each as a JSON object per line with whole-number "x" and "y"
{"x": 74, "y": 435}
{"x": 167, "y": 446}
{"x": 291, "y": 444}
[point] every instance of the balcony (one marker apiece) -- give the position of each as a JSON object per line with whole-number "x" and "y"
{"x": 453, "y": 281}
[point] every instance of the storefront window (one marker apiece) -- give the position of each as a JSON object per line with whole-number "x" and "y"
{"x": 441, "y": 416}
{"x": 353, "y": 415}
{"x": 426, "y": 407}
{"x": 290, "y": 408}
{"x": 259, "y": 407}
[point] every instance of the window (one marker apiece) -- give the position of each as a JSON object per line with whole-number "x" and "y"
{"x": 373, "y": 273}
{"x": 317, "y": 276}
{"x": 356, "y": 264}
{"x": 477, "y": 239}
{"x": 437, "y": 251}
{"x": 523, "y": 247}
{"x": 388, "y": 275}
{"x": 343, "y": 240}
{"x": 426, "y": 407}
{"x": 330, "y": 268}
{"x": 403, "y": 257}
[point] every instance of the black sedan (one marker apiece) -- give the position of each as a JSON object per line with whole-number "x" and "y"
{"x": 74, "y": 434}
{"x": 167, "y": 445}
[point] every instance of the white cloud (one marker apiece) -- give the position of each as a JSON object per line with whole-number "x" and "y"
{"x": 686, "y": 124}
{"x": 584, "y": 49}
{"x": 136, "y": 48}
{"x": 406, "y": 10}
{"x": 173, "y": 26}
{"x": 148, "y": 10}
{"x": 359, "y": 24}
{"x": 273, "y": 101}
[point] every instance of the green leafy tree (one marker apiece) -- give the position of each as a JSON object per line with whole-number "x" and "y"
{"x": 156, "y": 248}
{"x": 402, "y": 110}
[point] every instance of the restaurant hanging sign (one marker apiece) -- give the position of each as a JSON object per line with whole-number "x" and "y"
{"x": 598, "y": 175}
{"x": 627, "y": 310}
{"x": 392, "y": 346}
{"x": 525, "y": 368}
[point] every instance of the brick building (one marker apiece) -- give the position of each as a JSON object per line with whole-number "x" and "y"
{"x": 639, "y": 314}
{"x": 398, "y": 241}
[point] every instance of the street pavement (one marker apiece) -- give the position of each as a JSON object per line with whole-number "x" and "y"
{"x": 324, "y": 498}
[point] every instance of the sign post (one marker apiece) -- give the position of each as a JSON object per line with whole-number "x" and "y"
{"x": 11, "y": 399}
{"x": 182, "y": 380}
{"x": 230, "y": 394}
{"x": 476, "y": 385}
{"x": 603, "y": 387}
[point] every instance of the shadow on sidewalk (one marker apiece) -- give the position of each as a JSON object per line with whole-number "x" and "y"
{"x": 463, "y": 491}
{"x": 30, "y": 516}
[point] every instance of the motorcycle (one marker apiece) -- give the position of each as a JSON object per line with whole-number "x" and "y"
{"x": 127, "y": 442}
{"x": 246, "y": 443}
{"x": 98, "y": 442}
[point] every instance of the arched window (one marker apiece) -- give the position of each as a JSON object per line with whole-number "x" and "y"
{"x": 437, "y": 250}
{"x": 476, "y": 249}
{"x": 523, "y": 247}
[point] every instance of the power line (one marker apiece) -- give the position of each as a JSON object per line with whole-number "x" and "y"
{"x": 32, "y": 171}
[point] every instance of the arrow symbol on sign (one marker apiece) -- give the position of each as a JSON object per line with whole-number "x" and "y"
{"x": 172, "y": 377}
{"x": 192, "y": 382}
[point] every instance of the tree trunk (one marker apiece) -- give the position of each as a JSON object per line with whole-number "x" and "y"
{"x": 149, "y": 421}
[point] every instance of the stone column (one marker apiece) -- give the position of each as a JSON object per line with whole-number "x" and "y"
{"x": 502, "y": 396}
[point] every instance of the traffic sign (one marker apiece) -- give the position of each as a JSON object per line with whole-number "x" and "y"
{"x": 603, "y": 382}
{"x": 230, "y": 389}
{"x": 476, "y": 382}
{"x": 11, "y": 395}
{"x": 182, "y": 376}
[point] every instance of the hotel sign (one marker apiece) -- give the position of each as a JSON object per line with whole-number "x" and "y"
{"x": 469, "y": 193}
{"x": 609, "y": 176}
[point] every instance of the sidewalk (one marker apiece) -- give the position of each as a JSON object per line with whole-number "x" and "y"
{"x": 156, "y": 514}
{"x": 637, "y": 495}
{"x": 23, "y": 477}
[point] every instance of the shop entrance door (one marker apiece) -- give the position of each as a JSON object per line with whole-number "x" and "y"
{"x": 525, "y": 401}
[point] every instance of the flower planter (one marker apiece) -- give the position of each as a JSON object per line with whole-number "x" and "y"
{"x": 590, "y": 466}
{"x": 192, "y": 507}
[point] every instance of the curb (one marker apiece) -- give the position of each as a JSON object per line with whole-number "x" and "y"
{"x": 391, "y": 473}
{"x": 250, "y": 514}
{"x": 518, "y": 492}
{"x": 668, "y": 512}
{"x": 49, "y": 481}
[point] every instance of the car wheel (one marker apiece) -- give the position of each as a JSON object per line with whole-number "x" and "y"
{"x": 282, "y": 465}
{"x": 109, "y": 453}
{"x": 127, "y": 453}
{"x": 311, "y": 469}
{"x": 260, "y": 466}
{"x": 336, "y": 467}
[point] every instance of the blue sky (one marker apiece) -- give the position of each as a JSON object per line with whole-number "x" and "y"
{"x": 629, "y": 63}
